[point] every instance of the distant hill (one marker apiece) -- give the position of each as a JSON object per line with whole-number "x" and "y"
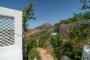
{"x": 45, "y": 26}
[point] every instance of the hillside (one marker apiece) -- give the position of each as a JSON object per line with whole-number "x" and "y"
{"x": 47, "y": 27}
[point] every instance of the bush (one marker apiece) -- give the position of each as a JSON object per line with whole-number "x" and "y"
{"x": 77, "y": 17}
{"x": 77, "y": 38}
{"x": 78, "y": 32}
{"x": 42, "y": 40}
{"x": 31, "y": 42}
{"x": 73, "y": 46}
{"x": 56, "y": 41}
{"x": 56, "y": 27}
{"x": 33, "y": 53}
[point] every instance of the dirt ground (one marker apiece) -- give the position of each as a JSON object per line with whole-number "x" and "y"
{"x": 44, "y": 55}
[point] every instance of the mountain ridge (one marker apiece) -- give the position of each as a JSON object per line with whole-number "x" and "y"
{"x": 42, "y": 29}
{"x": 45, "y": 26}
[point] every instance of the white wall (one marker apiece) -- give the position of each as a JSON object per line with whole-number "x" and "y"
{"x": 86, "y": 52}
{"x": 54, "y": 33}
{"x": 13, "y": 52}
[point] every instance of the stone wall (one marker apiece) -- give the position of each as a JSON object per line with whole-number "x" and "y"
{"x": 64, "y": 27}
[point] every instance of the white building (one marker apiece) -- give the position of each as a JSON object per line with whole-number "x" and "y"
{"x": 54, "y": 33}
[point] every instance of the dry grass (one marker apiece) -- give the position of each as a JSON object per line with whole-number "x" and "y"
{"x": 35, "y": 31}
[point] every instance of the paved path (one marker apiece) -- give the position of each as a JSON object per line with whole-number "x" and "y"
{"x": 44, "y": 55}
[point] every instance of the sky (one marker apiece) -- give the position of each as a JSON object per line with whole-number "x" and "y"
{"x": 46, "y": 11}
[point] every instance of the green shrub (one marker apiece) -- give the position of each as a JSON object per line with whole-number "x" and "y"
{"x": 73, "y": 49}
{"x": 73, "y": 46}
{"x": 78, "y": 32}
{"x": 56, "y": 27}
{"x": 42, "y": 41}
{"x": 77, "y": 38}
{"x": 77, "y": 17}
{"x": 56, "y": 41}
{"x": 31, "y": 42}
{"x": 43, "y": 38}
{"x": 33, "y": 53}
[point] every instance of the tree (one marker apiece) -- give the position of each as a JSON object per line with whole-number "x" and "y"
{"x": 85, "y": 6}
{"x": 56, "y": 27}
{"x": 27, "y": 15}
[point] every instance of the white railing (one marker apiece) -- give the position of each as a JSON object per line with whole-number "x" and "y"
{"x": 10, "y": 34}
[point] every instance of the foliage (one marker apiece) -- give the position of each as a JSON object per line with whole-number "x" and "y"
{"x": 38, "y": 35}
{"x": 33, "y": 53}
{"x": 73, "y": 46}
{"x": 77, "y": 17}
{"x": 85, "y": 6}
{"x": 56, "y": 41}
{"x": 73, "y": 49}
{"x": 77, "y": 32}
{"x": 27, "y": 15}
{"x": 30, "y": 43}
{"x": 77, "y": 39}
{"x": 43, "y": 38}
{"x": 56, "y": 27}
